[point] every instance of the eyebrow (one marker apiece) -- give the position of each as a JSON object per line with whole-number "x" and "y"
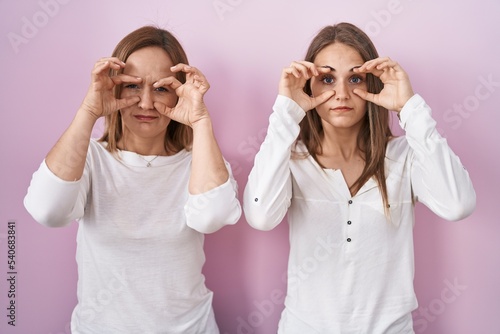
{"x": 334, "y": 70}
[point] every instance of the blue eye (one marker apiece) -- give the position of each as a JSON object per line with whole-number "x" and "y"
{"x": 161, "y": 89}
{"x": 356, "y": 80}
{"x": 327, "y": 79}
{"x": 131, "y": 86}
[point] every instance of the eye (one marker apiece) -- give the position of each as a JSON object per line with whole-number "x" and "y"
{"x": 356, "y": 80}
{"x": 161, "y": 89}
{"x": 327, "y": 80}
{"x": 131, "y": 86}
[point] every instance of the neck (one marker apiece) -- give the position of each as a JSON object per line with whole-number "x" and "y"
{"x": 341, "y": 143}
{"x": 143, "y": 146}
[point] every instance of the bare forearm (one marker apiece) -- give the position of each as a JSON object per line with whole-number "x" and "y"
{"x": 67, "y": 158}
{"x": 208, "y": 169}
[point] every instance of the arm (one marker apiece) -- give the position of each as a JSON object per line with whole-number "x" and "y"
{"x": 54, "y": 202}
{"x": 210, "y": 211}
{"x": 208, "y": 169}
{"x": 268, "y": 192}
{"x": 213, "y": 199}
{"x": 438, "y": 178}
{"x": 56, "y": 194}
{"x": 67, "y": 158}
{"x": 269, "y": 188}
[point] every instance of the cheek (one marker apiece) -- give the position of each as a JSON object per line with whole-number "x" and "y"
{"x": 360, "y": 103}
{"x": 317, "y": 87}
{"x": 128, "y": 93}
{"x": 170, "y": 100}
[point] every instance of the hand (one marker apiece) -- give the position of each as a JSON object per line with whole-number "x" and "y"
{"x": 100, "y": 100}
{"x": 397, "y": 87}
{"x": 293, "y": 80}
{"x": 190, "y": 107}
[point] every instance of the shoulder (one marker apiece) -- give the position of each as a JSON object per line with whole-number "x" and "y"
{"x": 96, "y": 144}
{"x": 299, "y": 151}
{"x": 397, "y": 149}
{"x": 98, "y": 148}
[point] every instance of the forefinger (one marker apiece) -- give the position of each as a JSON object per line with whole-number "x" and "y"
{"x": 125, "y": 78}
{"x": 169, "y": 81}
{"x": 376, "y": 66}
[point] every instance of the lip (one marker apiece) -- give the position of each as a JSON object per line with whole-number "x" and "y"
{"x": 145, "y": 118}
{"x": 342, "y": 109}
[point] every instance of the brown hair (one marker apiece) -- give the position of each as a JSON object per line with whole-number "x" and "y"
{"x": 375, "y": 131}
{"x": 178, "y": 136}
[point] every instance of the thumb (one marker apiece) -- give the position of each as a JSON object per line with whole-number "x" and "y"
{"x": 322, "y": 98}
{"x": 126, "y": 102}
{"x": 162, "y": 108}
{"x": 370, "y": 97}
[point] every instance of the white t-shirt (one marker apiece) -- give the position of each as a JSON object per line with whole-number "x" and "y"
{"x": 140, "y": 240}
{"x": 350, "y": 268}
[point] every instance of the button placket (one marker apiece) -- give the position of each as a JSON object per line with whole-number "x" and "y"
{"x": 349, "y": 222}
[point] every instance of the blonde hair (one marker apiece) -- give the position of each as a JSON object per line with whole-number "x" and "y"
{"x": 178, "y": 136}
{"x": 375, "y": 131}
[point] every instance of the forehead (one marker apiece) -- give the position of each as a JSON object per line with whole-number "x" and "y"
{"x": 338, "y": 55}
{"x": 149, "y": 61}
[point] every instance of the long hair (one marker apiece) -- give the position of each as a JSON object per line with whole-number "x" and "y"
{"x": 178, "y": 136}
{"x": 375, "y": 131}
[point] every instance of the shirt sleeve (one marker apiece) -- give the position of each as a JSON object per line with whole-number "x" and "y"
{"x": 211, "y": 210}
{"x": 437, "y": 176}
{"x": 268, "y": 191}
{"x": 54, "y": 202}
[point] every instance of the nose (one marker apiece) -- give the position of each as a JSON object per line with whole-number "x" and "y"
{"x": 146, "y": 101}
{"x": 342, "y": 90}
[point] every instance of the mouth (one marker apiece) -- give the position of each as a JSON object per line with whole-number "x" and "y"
{"x": 145, "y": 118}
{"x": 342, "y": 109}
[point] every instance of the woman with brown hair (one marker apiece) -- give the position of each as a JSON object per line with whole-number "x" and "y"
{"x": 143, "y": 195}
{"x": 349, "y": 186}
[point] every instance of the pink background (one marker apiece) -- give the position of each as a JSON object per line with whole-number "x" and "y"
{"x": 450, "y": 50}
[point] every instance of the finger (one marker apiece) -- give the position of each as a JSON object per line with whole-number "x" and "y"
{"x": 163, "y": 108}
{"x": 368, "y": 68}
{"x": 183, "y": 68}
{"x": 124, "y": 78}
{"x": 370, "y": 97}
{"x": 111, "y": 62}
{"x": 386, "y": 64}
{"x": 300, "y": 69}
{"x": 171, "y": 82}
{"x": 201, "y": 83}
{"x": 193, "y": 74}
{"x": 101, "y": 67}
{"x": 322, "y": 98}
{"x": 373, "y": 63}
{"x": 378, "y": 64}
{"x": 307, "y": 69}
{"x": 294, "y": 71}
{"x": 127, "y": 102}
{"x": 312, "y": 69}
{"x": 111, "y": 59}
{"x": 324, "y": 69}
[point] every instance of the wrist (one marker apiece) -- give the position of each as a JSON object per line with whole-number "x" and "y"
{"x": 203, "y": 122}
{"x": 86, "y": 118}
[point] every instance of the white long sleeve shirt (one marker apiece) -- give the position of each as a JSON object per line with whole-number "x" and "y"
{"x": 139, "y": 242}
{"x": 350, "y": 268}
